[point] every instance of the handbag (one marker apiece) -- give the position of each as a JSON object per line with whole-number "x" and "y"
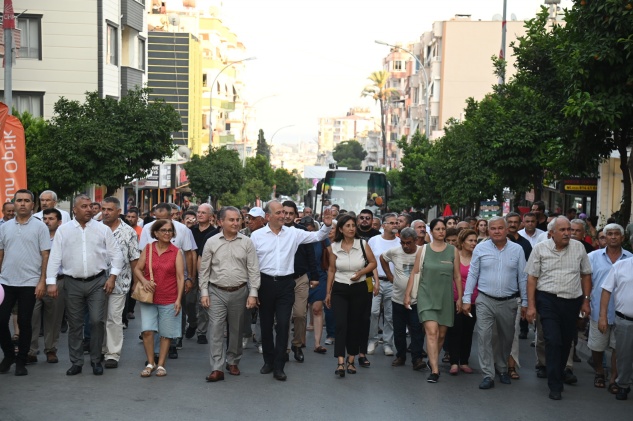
{"x": 139, "y": 293}
{"x": 416, "y": 276}
{"x": 369, "y": 279}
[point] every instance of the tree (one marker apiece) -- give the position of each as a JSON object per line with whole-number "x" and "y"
{"x": 215, "y": 174}
{"x": 416, "y": 175}
{"x": 263, "y": 148}
{"x": 286, "y": 182}
{"x": 258, "y": 168}
{"x": 349, "y": 154}
{"x": 379, "y": 91}
{"x": 35, "y": 129}
{"x": 104, "y": 141}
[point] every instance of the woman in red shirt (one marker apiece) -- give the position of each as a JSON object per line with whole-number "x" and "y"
{"x": 167, "y": 285}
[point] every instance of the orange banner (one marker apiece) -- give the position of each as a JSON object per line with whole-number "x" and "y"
{"x": 12, "y": 156}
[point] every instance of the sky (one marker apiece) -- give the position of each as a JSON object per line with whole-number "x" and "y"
{"x": 314, "y": 56}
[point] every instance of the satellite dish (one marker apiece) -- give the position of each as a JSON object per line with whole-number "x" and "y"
{"x": 184, "y": 152}
{"x": 497, "y": 17}
{"x": 174, "y": 19}
{"x": 513, "y": 17}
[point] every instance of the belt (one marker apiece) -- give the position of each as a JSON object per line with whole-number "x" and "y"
{"x": 383, "y": 278}
{"x": 229, "y": 289}
{"x": 515, "y": 295}
{"x": 60, "y": 277}
{"x": 88, "y": 279}
{"x": 278, "y": 278}
{"x": 630, "y": 319}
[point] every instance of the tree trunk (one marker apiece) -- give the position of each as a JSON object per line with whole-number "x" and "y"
{"x": 384, "y": 134}
{"x": 626, "y": 166}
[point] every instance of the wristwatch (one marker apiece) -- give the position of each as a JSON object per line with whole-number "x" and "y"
{"x": 587, "y": 298}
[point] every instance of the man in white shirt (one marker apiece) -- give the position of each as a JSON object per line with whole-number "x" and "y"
{"x": 48, "y": 199}
{"x": 276, "y": 246}
{"x": 530, "y": 232}
{"x": 380, "y": 244}
{"x": 84, "y": 249}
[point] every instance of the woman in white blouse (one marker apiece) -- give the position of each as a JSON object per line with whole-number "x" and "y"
{"x": 347, "y": 290}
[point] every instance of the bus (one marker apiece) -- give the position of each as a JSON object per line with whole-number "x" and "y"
{"x": 352, "y": 191}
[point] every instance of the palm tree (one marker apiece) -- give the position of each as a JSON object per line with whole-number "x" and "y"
{"x": 379, "y": 91}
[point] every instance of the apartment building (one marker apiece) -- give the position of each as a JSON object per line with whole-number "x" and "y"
{"x": 68, "y": 48}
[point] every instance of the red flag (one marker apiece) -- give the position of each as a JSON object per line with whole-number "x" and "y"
{"x": 8, "y": 20}
{"x": 12, "y": 155}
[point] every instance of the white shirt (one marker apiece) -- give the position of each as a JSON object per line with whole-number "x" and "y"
{"x": 276, "y": 252}
{"x": 83, "y": 252}
{"x": 619, "y": 282}
{"x": 65, "y": 215}
{"x": 533, "y": 239}
{"x": 183, "y": 240}
{"x": 379, "y": 245}
{"x": 403, "y": 266}
{"x": 542, "y": 237}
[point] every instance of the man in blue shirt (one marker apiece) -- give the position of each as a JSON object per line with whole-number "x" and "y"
{"x": 497, "y": 268}
{"x": 601, "y": 263}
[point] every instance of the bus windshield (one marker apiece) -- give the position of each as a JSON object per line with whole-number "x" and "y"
{"x": 355, "y": 190}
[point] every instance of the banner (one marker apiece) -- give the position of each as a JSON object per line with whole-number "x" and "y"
{"x": 8, "y": 21}
{"x": 12, "y": 155}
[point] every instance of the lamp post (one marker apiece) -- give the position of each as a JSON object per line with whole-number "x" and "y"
{"x": 273, "y": 136}
{"x": 211, "y": 94}
{"x": 426, "y": 83}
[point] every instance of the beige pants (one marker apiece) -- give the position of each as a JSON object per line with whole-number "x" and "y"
{"x": 300, "y": 309}
{"x": 53, "y": 309}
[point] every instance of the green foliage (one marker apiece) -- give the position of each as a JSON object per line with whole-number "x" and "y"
{"x": 349, "y": 154}
{"x": 35, "y": 129}
{"x": 102, "y": 141}
{"x": 286, "y": 182}
{"x": 215, "y": 174}
{"x": 259, "y": 169}
{"x": 416, "y": 177}
{"x": 263, "y": 149}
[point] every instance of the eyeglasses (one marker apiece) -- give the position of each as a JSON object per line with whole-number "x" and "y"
{"x": 364, "y": 218}
{"x": 166, "y": 231}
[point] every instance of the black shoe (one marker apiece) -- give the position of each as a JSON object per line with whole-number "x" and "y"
{"x": 298, "y": 353}
{"x": 173, "y": 353}
{"x": 280, "y": 375}
{"x": 420, "y": 364}
{"x": 287, "y": 357}
{"x": 623, "y": 394}
{"x": 64, "y": 326}
{"x": 433, "y": 378}
{"x": 20, "y": 370}
{"x": 111, "y": 363}
{"x": 190, "y": 332}
{"x": 556, "y": 396}
{"x": 74, "y": 370}
{"x": 6, "y": 364}
{"x": 487, "y": 383}
{"x": 266, "y": 369}
{"x": 523, "y": 335}
{"x": 179, "y": 343}
{"x": 86, "y": 345}
{"x": 541, "y": 373}
{"x": 202, "y": 340}
{"x": 505, "y": 378}
{"x": 97, "y": 369}
{"x": 569, "y": 377}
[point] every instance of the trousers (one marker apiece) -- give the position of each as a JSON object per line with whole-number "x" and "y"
{"x": 52, "y": 310}
{"x": 276, "y": 301}
{"x": 25, "y": 298}
{"x": 348, "y": 303}
{"x": 226, "y": 307}
{"x": 300, "y": 309}
{"x": 491, "y": 312}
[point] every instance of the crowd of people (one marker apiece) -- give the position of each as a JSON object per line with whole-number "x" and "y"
{"x": 273, "y": 274}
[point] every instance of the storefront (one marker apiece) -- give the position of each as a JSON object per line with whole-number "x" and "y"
{"x": 572, "y": 192}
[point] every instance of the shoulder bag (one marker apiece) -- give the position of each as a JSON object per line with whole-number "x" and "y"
{"x": 139, "y": 293}
{"x": 417, "y": 276}
{"x": 369, "y": 278}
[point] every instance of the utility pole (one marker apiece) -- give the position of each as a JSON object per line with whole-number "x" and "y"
{"x": 8, "y": 25}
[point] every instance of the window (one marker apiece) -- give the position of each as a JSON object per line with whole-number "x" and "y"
{"x": 112, "y": 53}
{"x": 397, "y": 65}
{"x": 33, "y": 102}
{"x": 30, "y": 36}
{"x": 141, "y": 54}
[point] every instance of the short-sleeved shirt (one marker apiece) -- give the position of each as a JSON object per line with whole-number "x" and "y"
{"x": 619, "y": 283}
{"x": 403, "y": 266}
{"x": 379, "y": 245}
{"x": 601, "y": 266}
{"x": 559, "y": 272}
{"x": 22, "y": 245}
{"x": 127, "y": 239}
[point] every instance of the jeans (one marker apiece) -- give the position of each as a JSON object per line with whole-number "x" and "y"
{"x": 558, "y": 318}
{"x": 384, "y": 296}
{"x": 25, "y": 297}
{"x": 402, "y": 317}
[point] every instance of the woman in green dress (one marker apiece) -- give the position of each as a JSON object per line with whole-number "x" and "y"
{"x": 440, "y": 270}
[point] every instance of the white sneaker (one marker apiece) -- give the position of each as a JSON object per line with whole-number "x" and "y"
{"x": 388, "y": 351}
{"x": 371, "y": 347}
{"x": 260, "y": 349}
{"x": 244, "y": 342}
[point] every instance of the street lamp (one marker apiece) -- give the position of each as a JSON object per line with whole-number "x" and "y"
{"x": 277, "y": 131}
{"x": 211, "y": 94}
{"x": 426, "y": 83}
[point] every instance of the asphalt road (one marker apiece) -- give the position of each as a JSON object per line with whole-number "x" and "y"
{"x": 311, "y": 392}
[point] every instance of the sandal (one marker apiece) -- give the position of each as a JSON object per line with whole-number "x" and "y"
{"x": 447, "y": 358}
{"x": 599, "y": 381}
{"x": 512, "y": 371}
{"x": 148, "y": 370}
{"x": 613, "y": 388}
{"x": 351, "y": 368}
{"x": 320, "y": 350}
{"x": 340, "y": 370}
{"x": 364, "y": 362}
{"x": 160, "y": 371}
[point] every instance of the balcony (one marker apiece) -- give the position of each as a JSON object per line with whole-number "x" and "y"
{"x": 226, "y": 139}
{"x": 132, "y": 12}
{"x": 130, "y": 78}
{"x": 227, "y": 105}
